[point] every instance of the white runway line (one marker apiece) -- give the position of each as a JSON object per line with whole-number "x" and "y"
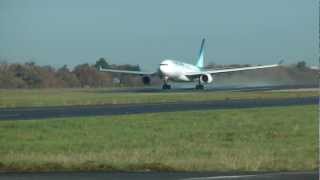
{"x": 248, "y": 176}
{"x": 221, "y": 177}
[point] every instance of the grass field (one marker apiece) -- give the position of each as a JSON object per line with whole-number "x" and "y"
{"x": 62, "y": 97}
{"x": 257, "y": 139}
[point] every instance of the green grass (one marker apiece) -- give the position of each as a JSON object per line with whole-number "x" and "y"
{"x": 257, "y": 139}
{"x": 62, "y": 97}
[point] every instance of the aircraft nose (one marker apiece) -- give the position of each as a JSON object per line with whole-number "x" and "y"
{"x": 164, "y": 68}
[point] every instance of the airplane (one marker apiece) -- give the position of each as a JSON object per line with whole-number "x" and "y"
{"x": 177, "y": 71}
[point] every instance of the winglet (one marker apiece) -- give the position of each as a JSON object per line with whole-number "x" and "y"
{"x": 200, "y": 62}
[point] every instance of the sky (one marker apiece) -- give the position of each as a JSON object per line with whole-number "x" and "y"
{"x": 145, "y": 32}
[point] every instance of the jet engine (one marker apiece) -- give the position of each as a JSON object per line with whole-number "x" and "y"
{"x": 146, "y": 80}
{"x": 206, "y": 78}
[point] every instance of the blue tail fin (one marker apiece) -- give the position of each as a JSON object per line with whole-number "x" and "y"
{"x": 200, "y": 62}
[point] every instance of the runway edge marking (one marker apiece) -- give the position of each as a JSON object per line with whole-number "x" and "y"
{"x": 250, "y": 175}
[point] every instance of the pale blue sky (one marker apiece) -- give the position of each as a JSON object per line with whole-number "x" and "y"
{"x": 144, "y": 32}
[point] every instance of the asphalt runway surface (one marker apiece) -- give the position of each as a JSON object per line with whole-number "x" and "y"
{"x": 208, "y": 88}
{"x": 160, "y": 176}
{"x": 121, "y": 109}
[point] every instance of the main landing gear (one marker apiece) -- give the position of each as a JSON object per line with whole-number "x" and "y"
{"x": 199, "y": 86}
{"x": 166, "y": 86}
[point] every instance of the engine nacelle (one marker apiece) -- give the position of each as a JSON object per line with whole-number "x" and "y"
{"x": 146, "y": 80}
{"x": 206, "y": 78}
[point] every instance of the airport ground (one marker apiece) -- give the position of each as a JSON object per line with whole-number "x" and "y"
{"x": 71, "y": 97}
{"x": 207, "y": 140}
{"x": 252, "y": 139}
{"x": 308, "y": 175}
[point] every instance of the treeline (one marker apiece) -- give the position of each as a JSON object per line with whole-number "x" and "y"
{"x": 31, "y": 75}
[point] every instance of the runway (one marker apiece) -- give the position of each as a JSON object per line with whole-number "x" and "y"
{"x": 161, "y": 176}
{"x": 210, "y": 88}
{"x": 121, "y": 109}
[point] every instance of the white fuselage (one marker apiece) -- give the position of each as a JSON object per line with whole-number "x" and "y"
{"x": 176, "y": 70}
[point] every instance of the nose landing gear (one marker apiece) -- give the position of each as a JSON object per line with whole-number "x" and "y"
{"x": 165, "y": 84}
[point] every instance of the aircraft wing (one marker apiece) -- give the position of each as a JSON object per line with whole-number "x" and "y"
{"x": 127, "y": 72}
{"x": 196, "y": 74}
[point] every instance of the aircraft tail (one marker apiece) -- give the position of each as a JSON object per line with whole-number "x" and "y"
{"x": 200, "y": 62}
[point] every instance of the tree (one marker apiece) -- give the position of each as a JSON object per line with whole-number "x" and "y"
{"x": 8, "y": 78}
{"x": 29, "y": 73}
{"x": 90, "y": 77}
{"x": 101, "y": 63}
{"x": 68, "y": 79}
